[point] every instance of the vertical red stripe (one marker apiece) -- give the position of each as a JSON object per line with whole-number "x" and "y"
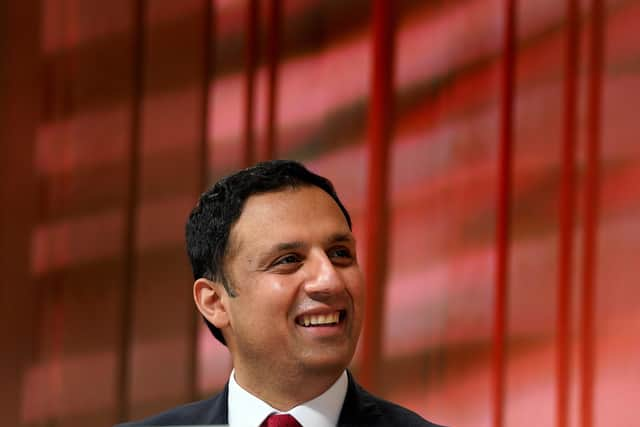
{"x": 591, "y": 202}
{"x": 379, "y": 134}
{"x": 503, "y": 212}
{"x": 208, "y": 58}
{"x": 566, "y": 217}
{"x": 251, "y": 52}
{"x": 208, "y": 46}
{"x": 273, "y": 59}
{"x": 127, "y": 291}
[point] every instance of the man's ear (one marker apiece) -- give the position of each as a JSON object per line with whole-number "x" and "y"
{"x": 211, "y": 300}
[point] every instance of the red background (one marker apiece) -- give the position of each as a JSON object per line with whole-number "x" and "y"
{"x": 116, "y": 115}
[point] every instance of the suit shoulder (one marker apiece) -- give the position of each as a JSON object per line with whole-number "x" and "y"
{"x": 200, "y": 412}
{"x": 393, "y": 414}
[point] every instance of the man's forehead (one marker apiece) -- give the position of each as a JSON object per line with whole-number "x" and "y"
{"x": 273, "y": 208}
{"x": 268, "y": 203}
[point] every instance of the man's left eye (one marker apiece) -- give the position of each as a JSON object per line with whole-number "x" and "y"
{"x": 340, "y": 253}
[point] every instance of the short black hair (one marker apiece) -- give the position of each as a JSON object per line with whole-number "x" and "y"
{"x": 210, "y": 222}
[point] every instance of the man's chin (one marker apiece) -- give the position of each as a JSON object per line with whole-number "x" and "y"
{"x": 327, "y": 362}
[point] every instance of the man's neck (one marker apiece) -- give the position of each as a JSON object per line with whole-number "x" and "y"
{"x": 284, "y": 392}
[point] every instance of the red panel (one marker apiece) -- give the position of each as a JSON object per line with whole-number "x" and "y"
{"x": 275, "y": 18}
{"x": 251, "y": 54}
{"x": 380, "y": 130}
{"x": 208, "y": 35}
{"x": 123, "y": 392}
{"x": 503, "y": 215}
{"x": 591, "y": 203}
{"x": 566, "y": 217}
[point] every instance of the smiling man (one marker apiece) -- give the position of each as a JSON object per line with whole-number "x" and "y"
{"x": 277, "y": 281}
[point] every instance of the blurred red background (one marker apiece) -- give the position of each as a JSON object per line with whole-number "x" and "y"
{"x": 484, "y": 148}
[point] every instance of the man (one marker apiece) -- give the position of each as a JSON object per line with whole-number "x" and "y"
{"x": 278, "y": 282}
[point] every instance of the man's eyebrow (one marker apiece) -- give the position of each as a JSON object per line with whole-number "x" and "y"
{"x": 341, "y": 238}
{"x": 296, "y": 244}
{"x": 285, "y": 246}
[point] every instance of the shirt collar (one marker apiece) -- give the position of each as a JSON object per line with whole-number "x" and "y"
{"x": 245, "y": 409}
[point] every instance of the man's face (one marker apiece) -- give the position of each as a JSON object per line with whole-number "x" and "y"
{"x": 299, "y": 289}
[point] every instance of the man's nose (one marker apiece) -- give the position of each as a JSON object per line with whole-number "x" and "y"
{"x": 323, "y": 278}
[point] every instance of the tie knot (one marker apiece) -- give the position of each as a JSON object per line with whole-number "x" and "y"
{"x": 280, "y": 420}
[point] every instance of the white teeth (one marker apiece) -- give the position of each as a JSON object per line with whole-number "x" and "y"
{"x": 320, "y": 319}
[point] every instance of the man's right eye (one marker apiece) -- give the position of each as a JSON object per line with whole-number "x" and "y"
{"x": 287, "y": 259}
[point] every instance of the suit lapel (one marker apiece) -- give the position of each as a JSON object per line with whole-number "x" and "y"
{"x": 359, "y": 408}
{"x": 219, "y": 409}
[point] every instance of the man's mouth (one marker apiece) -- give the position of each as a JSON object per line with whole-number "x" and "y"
{"x": 326, "y": 319}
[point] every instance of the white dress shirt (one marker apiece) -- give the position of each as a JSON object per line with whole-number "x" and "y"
{"x": 246, "y": 410}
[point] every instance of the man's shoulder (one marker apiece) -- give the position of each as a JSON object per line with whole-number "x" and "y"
{"x": 363, "y": 408}
{"x": 208, "y": 411}
{"x": 394, "y": 414}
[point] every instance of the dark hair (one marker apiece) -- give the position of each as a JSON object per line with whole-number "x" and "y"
{"x": 210, "y": 222}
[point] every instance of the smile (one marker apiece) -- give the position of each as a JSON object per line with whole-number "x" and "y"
{"x": 310, "y": 320}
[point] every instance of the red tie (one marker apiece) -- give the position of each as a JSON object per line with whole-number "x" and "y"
{"x": 282, "y": 420}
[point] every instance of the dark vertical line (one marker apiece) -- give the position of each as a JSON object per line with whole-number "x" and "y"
{"x": 61, "y": 186}
{"x": 591, "y": 202}
{"x": 380, "y": 129}
{"x": 23, "y": 298}
{"x": 208, "y": 46}
{"x": 566, "y": 217}
{"x": 131, "y": 209}
{"x": 51, "y": 288}
{"x": 251, "y": 54}
{"x": 70, "y": 40}
{"x": 273, "y": 58}
{"x": 503, "y": 214}
{"x": 208, "y": 70}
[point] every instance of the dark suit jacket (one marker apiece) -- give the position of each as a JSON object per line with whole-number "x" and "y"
{"x": 359, "y": 409}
